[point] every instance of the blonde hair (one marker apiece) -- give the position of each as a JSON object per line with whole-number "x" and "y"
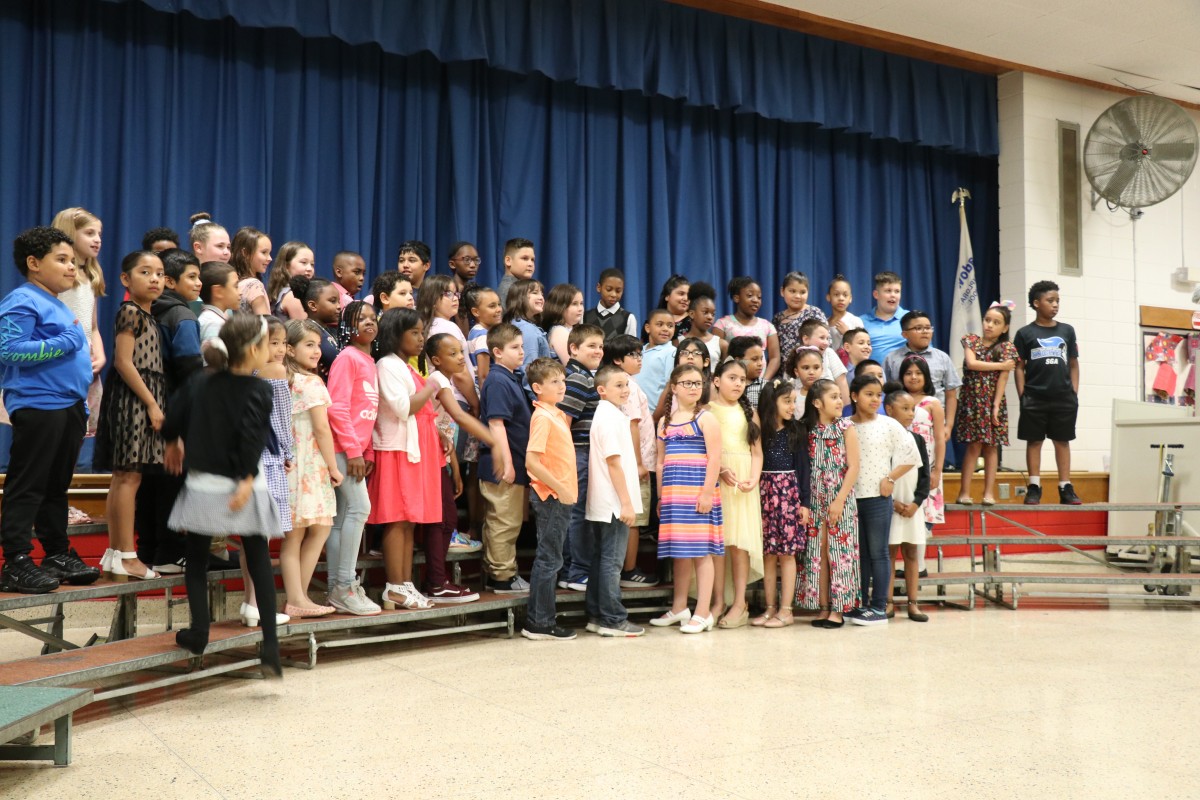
{"x": 69, "y": 221}
{"x": 202, "y": 227}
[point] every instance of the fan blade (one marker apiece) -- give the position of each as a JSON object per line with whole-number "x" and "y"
{"x": 1123, "y": 119}
{"x": 1173, "y": 151}
{"x": 1120, "y": 180}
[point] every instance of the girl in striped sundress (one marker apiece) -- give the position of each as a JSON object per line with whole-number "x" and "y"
{"x": 689, "y": 458}
{"x": 829, "y": 570}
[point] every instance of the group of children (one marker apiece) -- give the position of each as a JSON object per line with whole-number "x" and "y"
{"x": 749, "y": 448}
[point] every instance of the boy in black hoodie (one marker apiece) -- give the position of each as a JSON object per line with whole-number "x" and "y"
{"x": 157, "y": 544}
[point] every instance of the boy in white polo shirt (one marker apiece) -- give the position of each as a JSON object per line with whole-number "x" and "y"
{"x": 613, "y": 501}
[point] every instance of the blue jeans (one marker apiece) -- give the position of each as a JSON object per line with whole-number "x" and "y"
{"x": 577, "y": 558}
{"x": 552, "y": 518}
{"x": 606, "y": 546}
{"x": 345, "y": 537}
{"x": 874, "y": 524}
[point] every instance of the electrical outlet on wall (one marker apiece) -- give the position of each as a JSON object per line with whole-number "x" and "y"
{"x": 1020, "y": 491}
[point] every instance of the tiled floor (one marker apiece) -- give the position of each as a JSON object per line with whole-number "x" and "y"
{"x": 1057, "y": 700}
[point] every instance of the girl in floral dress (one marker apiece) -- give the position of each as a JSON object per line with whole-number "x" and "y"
{"x": 829, "y": 570}
{"x": 930, "y": 423}
{"x": 982, "y": 422}
{"x": 784, "y": 489}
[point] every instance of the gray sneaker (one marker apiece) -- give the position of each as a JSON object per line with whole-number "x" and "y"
{"x": 624, "y": 628}
{"x": 346, "y": 599}
{"x": 520, "y": 583}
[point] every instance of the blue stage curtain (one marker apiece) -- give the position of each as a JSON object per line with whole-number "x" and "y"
{"x": 659, "y": 49}
{"x": 145, "y": 117}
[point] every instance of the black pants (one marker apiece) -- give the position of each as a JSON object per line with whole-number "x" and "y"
{"x": 45, "y": 445}
{"x": 157, "y": 543}
{"x": 258, "y": 562}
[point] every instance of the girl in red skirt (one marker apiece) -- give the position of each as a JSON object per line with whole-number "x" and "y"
{"x": 405, "y": 486}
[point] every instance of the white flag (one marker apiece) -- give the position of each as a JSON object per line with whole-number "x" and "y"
{"x": 966, "y": 317}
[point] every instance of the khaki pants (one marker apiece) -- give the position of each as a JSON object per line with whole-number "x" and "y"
{"x": 501, "y": 527}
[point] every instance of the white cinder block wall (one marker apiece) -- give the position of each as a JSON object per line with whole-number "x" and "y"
{"x": 1125, "y": 263}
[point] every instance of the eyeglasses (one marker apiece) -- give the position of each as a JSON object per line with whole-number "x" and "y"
{"x": 691, "y": 384}
{"x": 921, "y": 328}
{"x": 470, "y": 260}
{"x": 637, "y": 355}
{"x": 451, "y": 295}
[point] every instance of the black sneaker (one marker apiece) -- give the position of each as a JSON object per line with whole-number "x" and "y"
{"x": 1067, "y": 496}
{"x": 69, "y": 568}
{"x": 1033, "y": 495}
{"x": 509, "y": 586}
{"x": 22, "y": 575}
{"x": 636, "y": 579}
{"x": 551, "y": 633}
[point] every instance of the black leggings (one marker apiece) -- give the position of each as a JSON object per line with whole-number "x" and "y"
{"x": 258, "y": 562}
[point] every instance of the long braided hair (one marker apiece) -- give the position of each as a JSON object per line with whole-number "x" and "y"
{"x": 753, "y": 432}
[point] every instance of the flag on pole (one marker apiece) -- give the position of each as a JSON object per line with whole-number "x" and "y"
{"x": 965, "y": 317}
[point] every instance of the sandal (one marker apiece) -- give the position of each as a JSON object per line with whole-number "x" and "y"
{"x": 781, "y": 620}
{"x": 761, "y": 620}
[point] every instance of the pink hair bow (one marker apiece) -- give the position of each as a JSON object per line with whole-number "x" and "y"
{"x": 1009, "y": 304}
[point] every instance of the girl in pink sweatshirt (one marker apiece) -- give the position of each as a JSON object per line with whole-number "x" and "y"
{"x": 353, "y": 387}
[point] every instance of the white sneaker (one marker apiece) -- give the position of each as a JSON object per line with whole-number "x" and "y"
{"x": 346, "y": 600}
{"x": 520, "y": 583}
{"x": 363, "y": 600}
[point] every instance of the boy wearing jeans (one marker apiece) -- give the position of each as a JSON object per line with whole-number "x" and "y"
{"x": 586, "y": 347}
{"x": 47, "y": 368}
{"x": 550, "y": 461}
{"x": 613, "y": 502}
{"x": 502, "y": 472}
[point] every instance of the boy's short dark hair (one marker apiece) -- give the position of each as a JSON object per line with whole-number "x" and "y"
{"x": 867, "y": 362}
{"x": 908, "y": 319}
{"x": 581, "y": 333}
{"x": 620, "y": 347}
{"x": 886, "y": 277}
{"x": 1039, "y": 289}
{"x": 159, "y": 235}
{"x": 854, "y": 333}
{"x": 606, "y": 373}
{"x": 740, "y": 345}
{"x": 513, "y": 245}
{"x": 611, "y": 272}
{"x": 658, "y": 312}
{"x": 176, "y": 261}
{"x": 37, "y": 242}
{"x": 215, "y": 273}
{"x": 542, "y": 369}
{"x": 500, "y": 335}
{"x": 386, "y": 284}
{"x": 416, "y": 247}
{"x": 340, "y": 254}
{"x": 809, "y": 326}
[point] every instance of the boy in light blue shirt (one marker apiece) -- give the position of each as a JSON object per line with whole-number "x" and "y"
{"x": 658, "y": 359}
{"x": 47, "y": 367}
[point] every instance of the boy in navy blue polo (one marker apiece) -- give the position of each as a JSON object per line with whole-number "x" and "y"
{"x": 502, "y": 475}
{"x": 47, "y": 368}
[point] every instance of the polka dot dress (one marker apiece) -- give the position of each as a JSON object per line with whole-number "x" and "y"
{"x": 125, "y": 440}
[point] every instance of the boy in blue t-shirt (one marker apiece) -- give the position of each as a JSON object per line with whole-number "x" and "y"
{"x": 47, "y": 368}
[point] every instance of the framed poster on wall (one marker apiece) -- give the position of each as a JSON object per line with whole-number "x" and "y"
{"x": 1169, "y": 347}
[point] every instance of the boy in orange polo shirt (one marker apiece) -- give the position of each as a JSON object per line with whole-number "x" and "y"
{"x": 550, "y": 462}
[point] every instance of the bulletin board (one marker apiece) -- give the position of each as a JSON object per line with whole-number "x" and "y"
{"x": 1170, "y": 345}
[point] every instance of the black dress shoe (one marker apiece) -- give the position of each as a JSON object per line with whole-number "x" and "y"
{"x": 69, "y": 568}
{"x": 191, "y": 641}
